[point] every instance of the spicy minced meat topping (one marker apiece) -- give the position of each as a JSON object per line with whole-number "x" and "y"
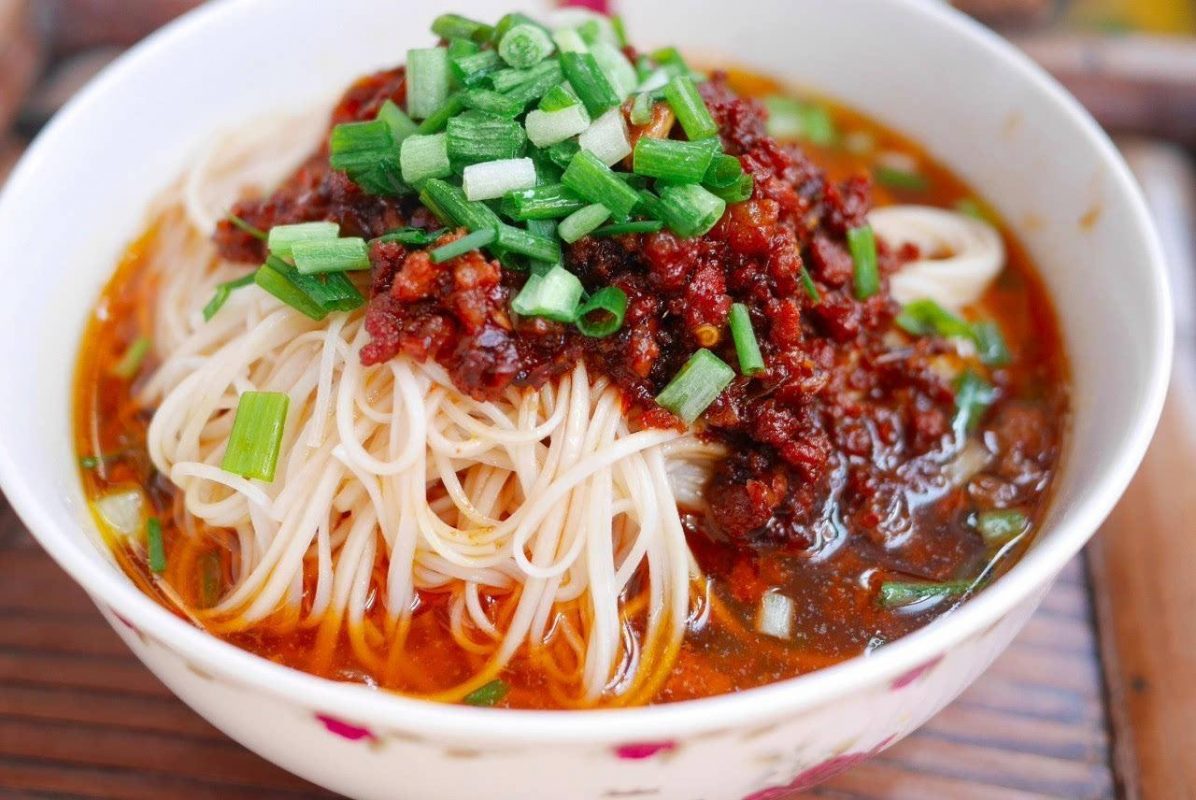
{"x": 843, "y": 421}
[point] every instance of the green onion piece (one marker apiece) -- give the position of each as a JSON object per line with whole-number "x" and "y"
{"x": 548, "y": 75}
{"x": 312, "y": 295}
{"x": 897, "y": 594}
{"x": 924, "y": 317}
{"x": 973, "y": 396}
{"x": 492, "y": 103}
{"x": 590, "y": 31}
{"x": 635, "y": 226}
{"x": 524, "y": 46}
{"x": 582, "y": 222}
{"x": 489, "y": 695}
{"x": 401, "y": 126}
{"x": 862, "y": 243}
{"x": 990, "y": 344}
{"x": 562, "y": 153}
{"x": 808, "y": 284}
{"x": 593, "y": 180}
{"x": 474, "y": 137}
{"x": 609, "y": 305}
{"x": 211, "y": 577}
{"x": 439, "y": 118}
{"x": 737, "y": 192}
{"x": 900, "y": 179}
{"x": 223, "y": 292}
{"x": 493, "y": 179}
{"x": 570, "y": 40}
{"x": 280, "y": 283}
{"x": 242, "y": 225}
{"x": 546, "y": 128}
{"x": 558, "y": 97}
{"x": 619, "y": 72}
{"x": 675, "y": 161}
{"x": 427, "y": 80}
{"x": 999, "y": 526}
{"x": 460, "y": 247}
{"x": 553, "y": 295}
{"x": 283, "y": 237}
{"x": 607, "y": 138}
{"x": 641, "y": 109}
{"x": 449, "y": 204}
{"x": 133, "y": 357}
{"x": 517, "y": 240}
{"x": 366, "y": 152}
{"x": 155, "y": 546}
{"x": 416, "y": 237}
{"x": 671, "y": 60}
{"x": 552, "y": 201}
{"x": 683, "y": 96}
{"x": 544, "y": 228}
{"x": 256, "y": 438}
{"x": 696, "y": 386}
{"x": 461, "y": 48}
{"x": 747, "y": 348}
{"x": 975, "y": 209}
{"x": 724, "y": 170}
{"x": 511, "y": 79}
{"x": 331, "y": 255}
{"x": 510, "y": 21}
{"x": 590, "y": 82}
{"x": 423, "y": 157}
{"x": 792, "y": 119}
{"x": 90, "y": 462}
{"x": 455, "y": 26}
{"x": 619, "y": 29}
{"x": 691, "y": 210}
{"x": 472, "y": 69}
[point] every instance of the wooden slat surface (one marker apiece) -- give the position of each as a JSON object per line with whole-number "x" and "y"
{"x": 81, "y": 718}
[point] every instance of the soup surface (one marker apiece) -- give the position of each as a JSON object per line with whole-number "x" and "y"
{"x": 896, "y": 514}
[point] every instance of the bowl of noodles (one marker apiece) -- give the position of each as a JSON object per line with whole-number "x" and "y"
{"x": 563, "y": 405}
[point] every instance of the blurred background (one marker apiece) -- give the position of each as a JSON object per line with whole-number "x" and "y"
{"x": 1096, "y": 699}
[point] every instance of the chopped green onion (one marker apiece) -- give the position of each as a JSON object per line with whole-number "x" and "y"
{"x": 283, "y": 237}
{"x": 544, "y": 76}
{"x": 496, "y": 103}
{"x": 923, "y": 317}
{"x": 423, "y": 157}
{"x": 607, "y": 138}
{"x": 401, "y": 126}
{"x": 510, "y": 21}
{"x": 466, "y": 244}
{"x": 210, "y": 577}
{"x": 552, "y": 201}
{"x": 524, "y": 46}
{"x": 590, "y": 82}
{"x": 990, "y": 343}
{"x": 570, "y": 40}
{"x": 472, "y": 69}
{"x": 675, "y": 161}
{"x": 610, "y": 304}
{"x": 416, "y": 237}
{"x": 975, "y": 209}
{"x": 619, "y": 29}
{"x": 553, "y": 295}
{"x": 808, "y": 284}
{"x": 558, "y": 97}
{"x": 593, "y": 180}
{"x": 747, "y": 348}
{"x": 691, "y": 210}
{"x": 155, "y": 547}
{"x": 474, "y": 137}
{"x": 256, "y": 437}
{"x": 331, "y": 255}
{"x": 897, "y": 594}
{"x": 439, "y": 118}
{"x": 517, "y": 240}
{"x": 973, "y": 396}
{"x": 998, "y": 527}
{"x": 455, "y": 26}
{"x": 696, "y": 386}
{"x": 737, "y": 192}
{"x": 562, "y": 153}
{"x": 862, "y": 243}
{"x": 133, "y": 357}
{"x": 619, "y": 72}
{"x": 449, "y": 204}
{"x": 544, "y": 228}
{"x": 671, "y": 60}
{"x": 493, "y": 179}
{"x": 792, "y": 119}
{"x": 723, "y": 171}
{"x": 590, "y": 31}
{"x": 582, "y": 222}
{"x": 123, "y": 510}
{"x": 242, "y": 225}
{"x": 900, "y": 179}
{"x": 545, "y": 128}
{"x": 641, "y": 109}
{"x": 427, "y": 80}
{"x": 687, "y": 103}
{"x": 489, "y": 695}
{"x": 366, "y": 152}
{"x": 635, "y": 226}
{"x": 511, "y": 79}
{"x": 90, "y": 462}
{"x": 223, "y": 292}
{"x": 311, "y": 295}
{"x": 280, "y": 283}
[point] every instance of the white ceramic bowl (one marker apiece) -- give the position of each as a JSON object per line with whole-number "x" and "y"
{"x": 81, "y": 193}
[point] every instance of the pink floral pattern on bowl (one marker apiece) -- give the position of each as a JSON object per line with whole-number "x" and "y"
{"x": 345, "y": 730}
{"x": 637, "y": 751}
{"x": 908, "y": 678}
{"x": 816, "y": 774}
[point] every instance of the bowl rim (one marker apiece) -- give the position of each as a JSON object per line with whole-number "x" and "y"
{"x": 650, "y": 723}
